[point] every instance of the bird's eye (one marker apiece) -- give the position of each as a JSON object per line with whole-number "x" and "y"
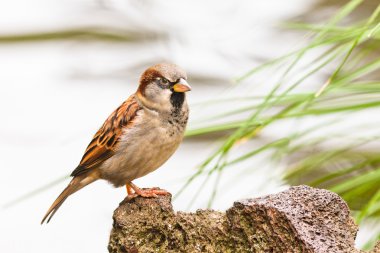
{"x": 164, "y": 81}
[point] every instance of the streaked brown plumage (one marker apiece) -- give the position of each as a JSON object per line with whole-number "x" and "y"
{"x": 138, "y": 137}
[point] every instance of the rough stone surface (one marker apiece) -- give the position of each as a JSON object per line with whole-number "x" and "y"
{"x": 301, "y": 219}
{"x": 376, "y": 249}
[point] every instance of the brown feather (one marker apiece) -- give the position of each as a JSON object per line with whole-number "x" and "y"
{"x": 106, "y": 138}
{"x": 76, "y": 184}
{"x": 100, "y": 149}
{"x": 148, "y": 77}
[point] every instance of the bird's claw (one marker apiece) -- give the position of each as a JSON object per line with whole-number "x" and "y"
{"x": 148, "y": 193}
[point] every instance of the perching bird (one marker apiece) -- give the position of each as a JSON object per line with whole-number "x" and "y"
{"x": 138, "y": 137}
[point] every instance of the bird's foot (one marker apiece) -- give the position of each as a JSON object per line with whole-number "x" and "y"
{"x": 151, "y": 192}
{"x": 146, "y": 193}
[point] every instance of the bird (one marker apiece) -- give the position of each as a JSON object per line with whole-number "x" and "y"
{"x": 137, "y": 138}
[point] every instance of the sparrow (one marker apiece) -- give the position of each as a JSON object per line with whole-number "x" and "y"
{"x": 137, "y": 138}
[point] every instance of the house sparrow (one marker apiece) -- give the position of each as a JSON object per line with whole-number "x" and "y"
{"x": 138, "y": 137}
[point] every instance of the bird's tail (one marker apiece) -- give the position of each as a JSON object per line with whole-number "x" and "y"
{"x": 76, "y": 184}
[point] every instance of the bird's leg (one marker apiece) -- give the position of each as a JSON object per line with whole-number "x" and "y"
{"x": 146, "y": 193}
{"x": 129, "y": 189}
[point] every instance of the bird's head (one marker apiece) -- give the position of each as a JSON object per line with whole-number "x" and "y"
{"x": 162, "y": 86}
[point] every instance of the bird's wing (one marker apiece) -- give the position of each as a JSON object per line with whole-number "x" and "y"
{"x": 107, "y": 137}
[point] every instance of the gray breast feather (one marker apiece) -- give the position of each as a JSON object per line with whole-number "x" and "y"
{"x": 146, "y": 146}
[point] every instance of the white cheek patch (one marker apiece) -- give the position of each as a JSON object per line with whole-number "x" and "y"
{"x": 158, "y": 97}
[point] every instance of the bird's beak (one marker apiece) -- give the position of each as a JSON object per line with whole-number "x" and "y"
{"x": 181, "y": 86}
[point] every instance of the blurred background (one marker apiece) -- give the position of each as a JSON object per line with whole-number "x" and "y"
{"x": 284, "y": 93}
